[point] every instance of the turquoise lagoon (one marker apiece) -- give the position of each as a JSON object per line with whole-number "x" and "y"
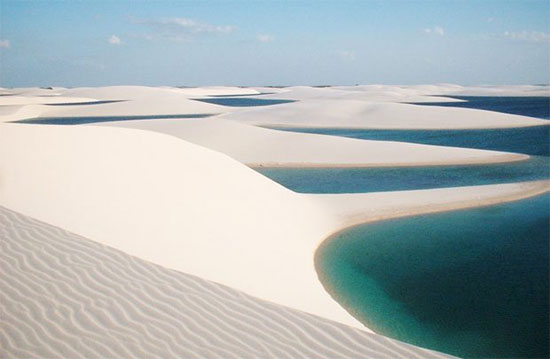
{"x": 472, "y": 283}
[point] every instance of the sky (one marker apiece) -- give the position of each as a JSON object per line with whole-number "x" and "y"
{"x": 253, "y": 43}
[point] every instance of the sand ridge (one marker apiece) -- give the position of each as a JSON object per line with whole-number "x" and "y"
{"x": 355, "y": 114}
{"x": 262, "y": 147}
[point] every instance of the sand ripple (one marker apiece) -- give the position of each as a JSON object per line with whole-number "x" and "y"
{"x": 65, "y": 296}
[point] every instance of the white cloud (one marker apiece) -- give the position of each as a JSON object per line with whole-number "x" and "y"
{"x": 436, "y": 30}
{"x": 114, "y": 40}
{"x": 4, "y": 44}
{"x": 265, "y": 38}
{"x": 529, "y": 36}
{"x": 346, "y": 55}
{"x": 181, "y": 28}
{"x": 190, "y": 25}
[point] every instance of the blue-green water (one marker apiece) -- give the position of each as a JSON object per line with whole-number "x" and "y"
{"x": 529, "y": 140}
{"x": 243, "y": 101}
{"x": 533, "y": 141}
{"x": 93, "y": 119}
{"x": 526, "y": 106}
{"x": 473, "y": 283}
{"x": 356, "y": 180}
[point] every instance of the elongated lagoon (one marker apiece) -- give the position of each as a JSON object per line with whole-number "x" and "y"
{"x": 357, "y": 180}
{"x": 473, "y": 283}
{"x": 529, "y": 140}
{"x": 96, "y": 119}
{"x": 534, "y": 106}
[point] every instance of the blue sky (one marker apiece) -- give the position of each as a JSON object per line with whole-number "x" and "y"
{"x": 161, "y": 42}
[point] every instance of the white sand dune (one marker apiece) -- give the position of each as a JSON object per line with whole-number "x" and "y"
{"x": 372, "y": 93}
{"x": 411, "y": 93}
{"x": 21, "y": 112}
{"x": 218, "y": 91}
{"x": 369, "y": 107}
{"x": 134, "y": 101}
{"x": 505, "y": 90}
{"x": 195, "y": 210}
{"x": 377, "y": 115}
{"x": 123, "y": 187}
{"x": 64, "y": 296}
{"x": 169, "y": 193}
{"x": 358, "y": 208}
{"x": 451, "y": 90}
{"x": 34, "y": 91}
{"x": 257, "y": 146}
{"x": 40, "y": 100}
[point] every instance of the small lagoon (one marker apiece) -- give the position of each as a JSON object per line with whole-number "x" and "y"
{"x": 94, "y": 119}
{"x": 99, "y": 102}
{"x": 533, "y": 106}
{"x": 242, "y": 101}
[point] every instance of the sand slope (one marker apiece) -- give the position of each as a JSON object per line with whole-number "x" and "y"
{"x": 66, "y": 296}
{"x": 133, "y": 101}
{"x": 408, "y": 93}
{"x": 169, "y": 202}
{"x": 38, "y": 100}
{"x": 377, "y": 115}
{"x": 257, "y": 146}
{"x": 358, "y": 208}
{"x": 371, "y": 93}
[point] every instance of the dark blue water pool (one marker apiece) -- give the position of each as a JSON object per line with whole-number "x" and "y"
{"x": 100, "y": 102}
{"x": 534, "y": 141}
{"x": 526, "y": 106}
{"x": 528, "y": 140}
{"x": 94, "y": 119}
{"x": 243, "y": 101}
